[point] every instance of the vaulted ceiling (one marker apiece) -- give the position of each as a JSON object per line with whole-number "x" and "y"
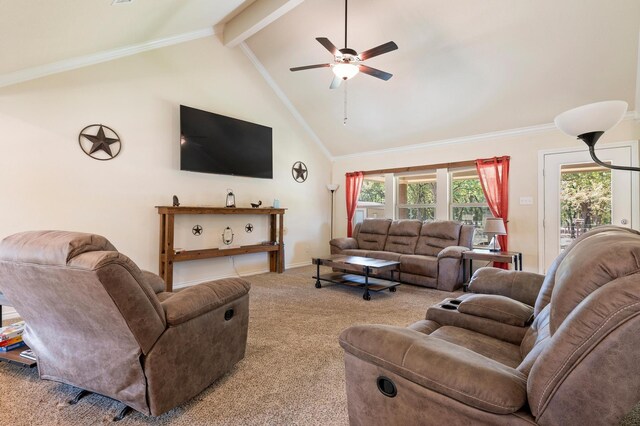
{"x": 463, "y": 67}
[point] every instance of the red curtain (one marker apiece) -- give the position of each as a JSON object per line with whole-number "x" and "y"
{"x": 494, "y": 178}
{"x": 353, "y": 186}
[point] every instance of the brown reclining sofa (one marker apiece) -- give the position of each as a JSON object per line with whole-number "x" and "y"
{"x": 97, "y": 322}
{"x": 560, "y": 349}
{"x": 430, "y": 253}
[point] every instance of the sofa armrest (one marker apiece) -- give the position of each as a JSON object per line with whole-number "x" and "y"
{"x": 454, "y": 252}
{"x": 448, "y": 313}
{"x": 518, "y": 285}
{"x": 194, "y": 301}
{"x": 344, "y": 243}
{"x": 440, "y": 366}
{"x": 154, "y": 281}
{"x": 497, "y": 308}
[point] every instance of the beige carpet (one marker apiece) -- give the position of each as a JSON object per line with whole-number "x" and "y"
{"x": 292, "y": 374}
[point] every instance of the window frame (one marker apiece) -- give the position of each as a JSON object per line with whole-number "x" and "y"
{"x": 398, "y": 206}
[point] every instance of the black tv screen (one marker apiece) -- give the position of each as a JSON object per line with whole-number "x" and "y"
{"x": 213, "y": 143}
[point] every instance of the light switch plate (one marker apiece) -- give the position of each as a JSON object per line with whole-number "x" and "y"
{"x": 526, "y": 201}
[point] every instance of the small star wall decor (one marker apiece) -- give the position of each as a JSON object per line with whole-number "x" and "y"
{"x": 248, "y": 228}
{"x": 102, "y": 144}
{"x": 299, "y": 171}
{"x": 197, "y": 230}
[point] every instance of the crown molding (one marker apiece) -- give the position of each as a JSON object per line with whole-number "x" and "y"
{"x": 631, "y": 115}
{"x": 285, "y": 100}
{"x": 96, "y": 58}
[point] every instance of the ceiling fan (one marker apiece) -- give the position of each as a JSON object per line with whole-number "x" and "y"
{"x": 347, "y": 62}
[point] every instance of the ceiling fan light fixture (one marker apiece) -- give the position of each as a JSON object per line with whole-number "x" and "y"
{"x": 345, "y": 71}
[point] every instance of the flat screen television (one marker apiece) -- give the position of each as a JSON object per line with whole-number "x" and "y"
{"x": 213, "y": 143}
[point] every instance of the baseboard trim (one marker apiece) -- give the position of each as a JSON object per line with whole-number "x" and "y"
{"x": 10, "y": 313}
{"x": 244, "y": 274}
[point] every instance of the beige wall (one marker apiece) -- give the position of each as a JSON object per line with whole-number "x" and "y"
{"x": 523, "y": 149}
{"x": 49, "y": 183}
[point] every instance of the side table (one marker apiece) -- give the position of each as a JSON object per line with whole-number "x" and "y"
{"x": 13, "y": 357}
{"x": 485, "y": 254}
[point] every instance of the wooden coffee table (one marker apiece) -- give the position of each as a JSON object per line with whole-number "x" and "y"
{"x": 362, "y": 268}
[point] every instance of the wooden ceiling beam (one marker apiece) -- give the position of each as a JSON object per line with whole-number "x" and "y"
{"x": 254, "y": 18}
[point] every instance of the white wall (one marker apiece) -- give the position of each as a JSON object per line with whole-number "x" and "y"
{"x": 49, "y": 183}
{"x": 523, "y": 149}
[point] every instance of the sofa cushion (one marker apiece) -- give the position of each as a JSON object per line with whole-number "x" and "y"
{"x": 355, "y": 252}
{"x": 373, "y": 234}
{"x": 495, "y": 349}
{"x": 434, "y": 236}
{"x": 403, "y": 236}
{"x": 51, "y": 247}
{"x": 384, "y": 255}
{"x": 419, "y": 265}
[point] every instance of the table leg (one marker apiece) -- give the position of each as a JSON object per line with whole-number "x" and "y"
{"x": 520, "y": 261}
{"x": 393, "y": 289}
{"x": 318, "y": 285}
{"x": 366, "y": 295}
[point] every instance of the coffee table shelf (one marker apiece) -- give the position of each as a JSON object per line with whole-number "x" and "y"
{"x": 363, "y": 267}
{"x": 13, "y": 357}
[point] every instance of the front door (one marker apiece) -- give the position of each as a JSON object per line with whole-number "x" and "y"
{"x": 580, "y": 195}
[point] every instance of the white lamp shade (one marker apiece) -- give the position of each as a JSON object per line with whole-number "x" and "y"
{"x": 332, "y": 186}
{"x": 345, "y": 71}
{"x": 596, "y": 117}
{"x": 494, "y": 225}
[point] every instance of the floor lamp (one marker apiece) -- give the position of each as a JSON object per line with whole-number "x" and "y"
{"x": 332, "y": 187}
{"x": 590, "y": 121}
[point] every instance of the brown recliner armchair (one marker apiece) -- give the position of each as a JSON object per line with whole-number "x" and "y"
{"x": 97, "y": 322}
{"x": 487, "y": 359}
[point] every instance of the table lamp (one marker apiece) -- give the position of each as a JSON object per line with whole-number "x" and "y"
{"x": 493, "y": 227}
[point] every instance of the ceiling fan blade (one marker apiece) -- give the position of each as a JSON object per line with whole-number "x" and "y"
{"x": 374, "y": 72}
{"x": 308, "y": 67}
{"x": 379, "y": 50}
{"x": 328, "y": 45}
{"x": 335, "y": 83}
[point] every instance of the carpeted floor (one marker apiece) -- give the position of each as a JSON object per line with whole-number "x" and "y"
{"x": 292, "y": 374}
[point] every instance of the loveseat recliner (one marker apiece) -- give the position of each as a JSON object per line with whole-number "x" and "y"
{"x": 566, "y": 357}
{"x": 97, "y": 322}
{"x": 430, "y": 253}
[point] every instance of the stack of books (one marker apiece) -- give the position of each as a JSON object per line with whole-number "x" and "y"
{"x": 11, "y": 336}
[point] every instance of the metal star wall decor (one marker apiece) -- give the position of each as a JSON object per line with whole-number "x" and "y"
{"x": 248, "y": 228}
{"x": 197, "y": 230}
{"x": 299, "y": 171}
{"x": 102, "y": 144}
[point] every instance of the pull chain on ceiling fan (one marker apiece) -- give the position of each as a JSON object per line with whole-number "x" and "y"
{"x": 347, "y": 62}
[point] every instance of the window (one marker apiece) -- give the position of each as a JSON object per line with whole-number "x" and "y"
{"x": 468, "y": 204}
{"x": 371, "y": 199}
{"x": 585, "y": 200}
{"x": 417, "y": 196}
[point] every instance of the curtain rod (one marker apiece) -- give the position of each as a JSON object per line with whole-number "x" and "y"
{"x": 421, "y": 168}
{"x": 451, "y": 165}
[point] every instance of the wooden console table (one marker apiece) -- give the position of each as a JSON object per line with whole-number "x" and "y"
{"x": 168, "y": 255}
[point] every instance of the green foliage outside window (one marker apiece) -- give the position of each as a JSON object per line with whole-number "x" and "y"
{"x": 421, "y": 213}
{"x": 467, "y": 191}
{"x": 421, "y": 193}
{"x": 585, "y": 196}
{"x": 372, "y": 191}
